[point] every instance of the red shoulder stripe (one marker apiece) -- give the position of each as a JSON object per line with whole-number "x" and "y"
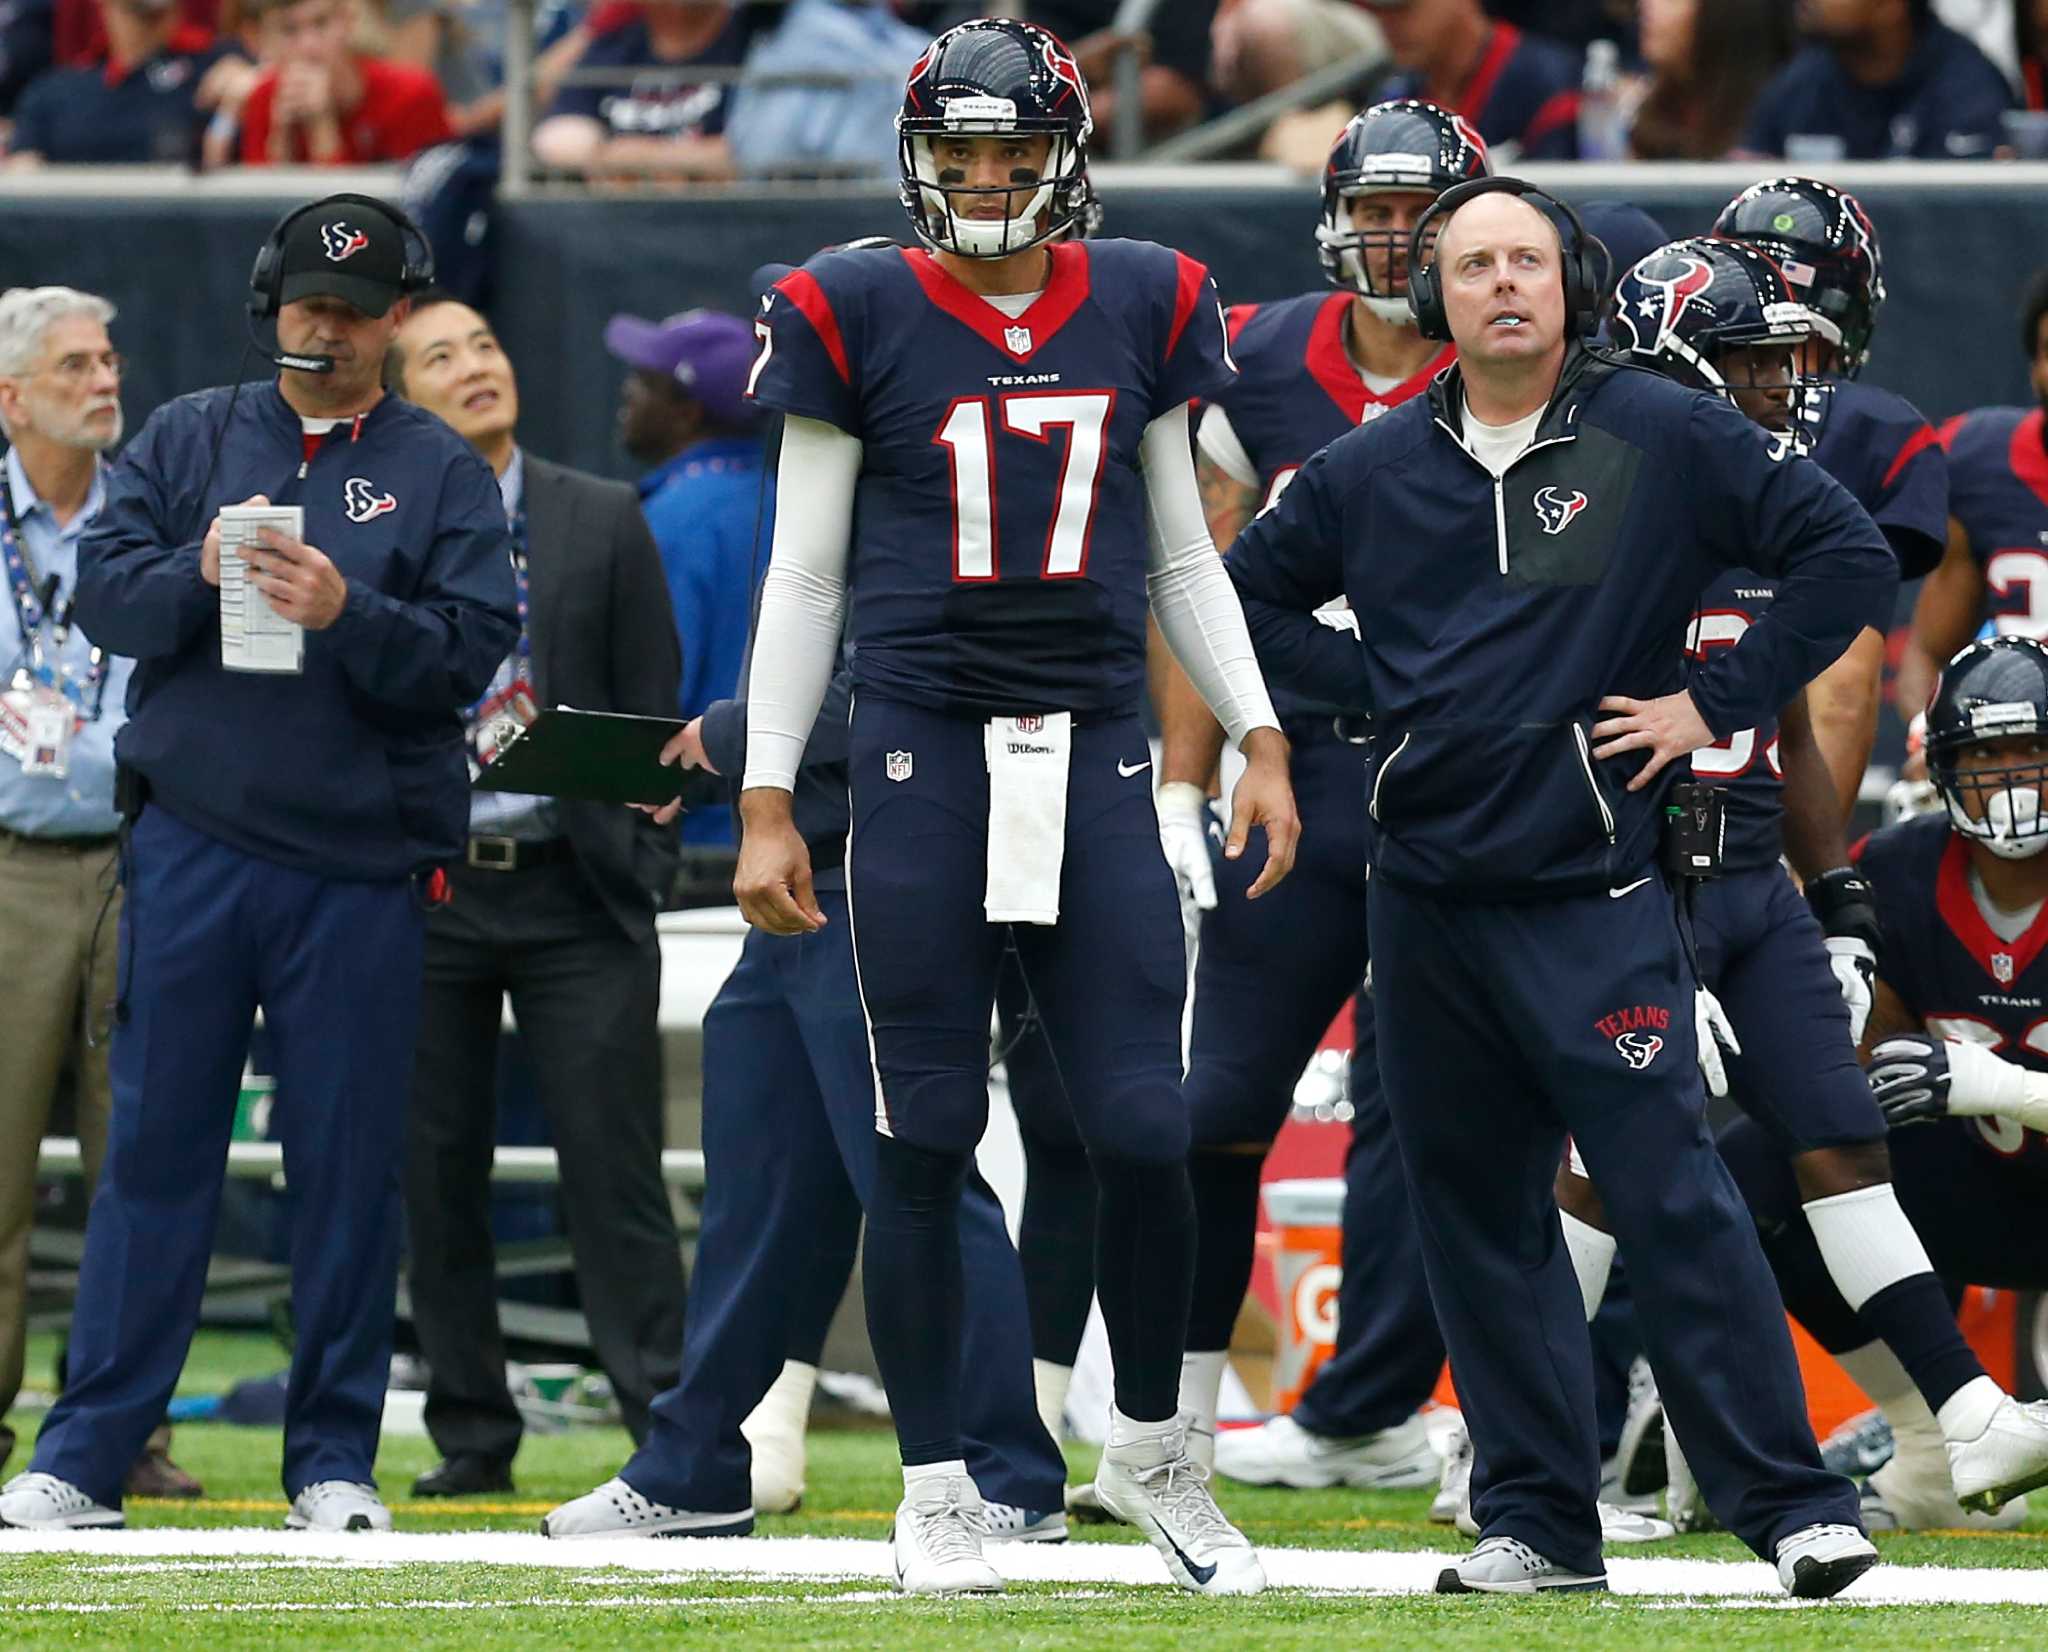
{"x": 1472, "y": 97}
{"x": 1237, "y": 318}
{"x": 801, "y": 288}
{"x": 1188, "y": 290}
{"x": 1947, "y": 431}
{"x": 1914, "y": 444}
{"x": 1559, "y": 109}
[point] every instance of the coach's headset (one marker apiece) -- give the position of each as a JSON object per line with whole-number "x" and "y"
{"x": 266, "y": 279}
{"x": 1587, "y": 262}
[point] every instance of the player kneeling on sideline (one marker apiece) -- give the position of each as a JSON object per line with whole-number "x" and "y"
{"x": 1720, "y": 316}
{"x": 1956, "y": 1052}
{"x": 1026, "y": 405}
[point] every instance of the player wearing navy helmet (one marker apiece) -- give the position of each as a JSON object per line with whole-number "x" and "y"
{"x": 986, "y": 470}
{"x": 1996, "y": 566}
{"x": 1270, "y": 976}
{"x": 1959, "y": 1065}
{"x": 1876, "y": 444}
{"x": 1721, "y": 316}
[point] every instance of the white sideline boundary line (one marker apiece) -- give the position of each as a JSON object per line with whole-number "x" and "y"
{"x": 801, "y": 1559}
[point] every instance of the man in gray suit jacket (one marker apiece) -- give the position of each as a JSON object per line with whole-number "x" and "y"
{"x": 554, "y": 904}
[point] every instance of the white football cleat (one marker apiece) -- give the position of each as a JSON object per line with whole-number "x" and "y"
{"x": 939, "y": 1527}
{"x": 1007, "y": 1523}
{"x": 1684, "y": 1507}
{"x": 1085, "y": 1507}
{"x": 338, "y": 1506}
{"x": 1639, "y": 1457}
{"x": 1280, "y": 1452}
{"x": 1620, "y": 1525}
{"x": 1147, "y": 1479}
{"x": 774, "y": 1432}
{"x": 1454, "y": 1486}
{"x": 1508, "y": 1566}
{"x": 1819, "y": 1562}
{"x": 615, "y": 1509}
{"x": 1896, "y": 1500}
{"x": 43, "y": 1503}
{"x": 2009, "y": 1457}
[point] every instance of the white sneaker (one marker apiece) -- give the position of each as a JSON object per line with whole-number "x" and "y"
{"x": 775, "y": 1432}
{"x": 43, "y": 1503}
{"x": 1620, "y": 1525}
{"x": 1454, "y": 1485}
{"x": 939, "y": 1526}
{"x": 1007, "y": 1523}
{"x": 2009, "y": 1457}
{"x": 1147, "y": 1479}
{"x": 1508, "y": 1566}
{"x": 1280, "y": 1452}
{"x": 338, "y": 1506}
{"x": 1639, "y": 1457}
{"x": 615, "y": 1509}
{"x": 1895, "y": 1500}
{"x": 1085, "y": 1507}
{"x": 1684, "y": 1507}
{"x": 1819, "y": 1562}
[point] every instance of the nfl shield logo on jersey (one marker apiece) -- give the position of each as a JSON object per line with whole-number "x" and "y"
{"x": 1030, "y": 725}
{"x": 2001, "y": 967}
{"x": 897, "y": 765}
{"x": 1018, "y": 339}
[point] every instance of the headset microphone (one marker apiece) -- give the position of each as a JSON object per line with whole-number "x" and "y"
{"x": 280, "y": 357}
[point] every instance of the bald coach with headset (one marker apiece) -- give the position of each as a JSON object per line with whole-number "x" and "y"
{"x": 1523, "y": 547}
{"x": 283, "y": 831}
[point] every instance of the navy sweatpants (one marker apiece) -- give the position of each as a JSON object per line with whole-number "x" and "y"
{"x": 789, "y": 1152}
{"x": 1502, "y": 1027}
{"x": 207, "y": 935}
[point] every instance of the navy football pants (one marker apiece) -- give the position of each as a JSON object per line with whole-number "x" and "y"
{"x": 1270, "y": 976}
{"x": 207, "y": 935}
{"x": 1502, "y": 1027}
{"x": 789, "y": 1154}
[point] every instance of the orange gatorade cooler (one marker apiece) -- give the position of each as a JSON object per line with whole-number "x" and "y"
{"x": 1306, "y": 1218}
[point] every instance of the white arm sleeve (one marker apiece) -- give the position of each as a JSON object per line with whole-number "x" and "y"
{"x": 803, "y": 597}
{"x": 1196, "y": 605}
{"x": 1218, "y": 438}
{"x": 1981, "y": 1083}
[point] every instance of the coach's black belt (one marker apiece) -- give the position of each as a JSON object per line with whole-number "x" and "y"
{"x": 515, "y": 854}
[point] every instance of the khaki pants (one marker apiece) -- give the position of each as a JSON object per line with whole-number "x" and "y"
{"x": 55, "y": 993}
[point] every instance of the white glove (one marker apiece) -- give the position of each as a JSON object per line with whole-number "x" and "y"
{"x": 1184, "y": 821}
{"x": 1715, "y": 1036}
{"x": 1855, "y": 967}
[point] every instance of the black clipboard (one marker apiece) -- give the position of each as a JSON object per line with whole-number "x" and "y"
{"x": 591, "y": 756}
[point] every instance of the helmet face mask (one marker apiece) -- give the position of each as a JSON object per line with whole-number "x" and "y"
{"x": 986, "y": 83}
{"x": 1402, "y": 150}
{"x": 1987, "y": 745}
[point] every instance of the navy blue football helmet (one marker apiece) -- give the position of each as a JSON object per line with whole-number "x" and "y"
{"x": 1823, "y": 240}
{"x": 1404, "y": 145}
{"x": 988, "y": 78}
{"x": 1992, "y": 690}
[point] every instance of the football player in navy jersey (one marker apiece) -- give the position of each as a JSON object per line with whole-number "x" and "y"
{"x": 1270, "y": 976}
{"x": 1876, "y": 444}
{"x": 1521, "y": 91}
{"x": 986, "y": 470}
{"x": 1959, "y": 1065}
{"x": 1997, "y": 560}
{"x": 1720, "y": 316}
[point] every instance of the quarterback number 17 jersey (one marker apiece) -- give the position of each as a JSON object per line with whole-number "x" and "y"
{"x": 999, "y": 548}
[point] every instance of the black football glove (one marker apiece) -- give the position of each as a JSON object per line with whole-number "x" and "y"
{"x": 1909, "y": 1078}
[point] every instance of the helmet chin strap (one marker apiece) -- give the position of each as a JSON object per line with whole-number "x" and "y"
{"x": 1392, "y": 310}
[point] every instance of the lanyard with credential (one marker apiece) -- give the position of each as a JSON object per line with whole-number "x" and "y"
{"x": 88, "y": 694}
{"x": 523, "y": 652}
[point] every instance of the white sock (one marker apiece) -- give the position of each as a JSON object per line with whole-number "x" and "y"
{"x": 1876, "y": 1370}
{"x": 1201, "y": 1381}
{"x": 1866, "y": 1241}
{"x": 785, "y": 1410}
{"x": 1592, "y": 1254}
{"x": 1051, "y": 1383}
{"x": 1966, "y": 1413}
{"x": 923, "y": 1472}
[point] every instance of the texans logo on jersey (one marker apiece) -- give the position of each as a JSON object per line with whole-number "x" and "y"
{"x": 1555, "y": 509}
{"x": 1639, "y": 1049}
{"x": 342, "y": 241}
{"x": 363, "y": 502}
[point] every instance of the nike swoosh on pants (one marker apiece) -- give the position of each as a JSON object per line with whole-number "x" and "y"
{"x": 1626, "y": 889}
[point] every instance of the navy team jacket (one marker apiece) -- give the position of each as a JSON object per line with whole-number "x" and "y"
{"x": 1496, "y": 614}
{"x": 354, "y": 769}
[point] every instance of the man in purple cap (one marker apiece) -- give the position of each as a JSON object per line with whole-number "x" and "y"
{"x": 683, "y": 412}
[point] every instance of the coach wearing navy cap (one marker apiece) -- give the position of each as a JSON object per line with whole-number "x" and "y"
{"x": 683, "y": 412}
{"x": 282, "y": 818}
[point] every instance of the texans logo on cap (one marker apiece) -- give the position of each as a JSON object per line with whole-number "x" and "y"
{"x": 342, "y": 241}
